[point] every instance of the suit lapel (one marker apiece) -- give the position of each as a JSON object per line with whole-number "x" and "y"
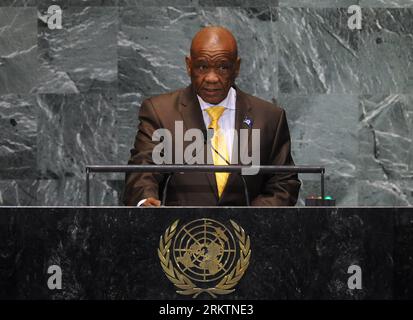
{"x": 243, "y": 111}
{"x": 190, "y": 110}
{"x": 192, "y": 116}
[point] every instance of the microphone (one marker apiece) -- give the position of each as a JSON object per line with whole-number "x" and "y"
{"x": 247, "y": 197}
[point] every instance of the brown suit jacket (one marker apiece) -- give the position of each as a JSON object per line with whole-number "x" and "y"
{"x": 200, "y": 189}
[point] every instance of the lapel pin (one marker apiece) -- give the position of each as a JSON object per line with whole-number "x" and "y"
{"x": 248, "y": 122}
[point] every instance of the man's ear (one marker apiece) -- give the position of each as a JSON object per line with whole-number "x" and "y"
{"x": 188, "y": 65}
{"x": 237, "y": 66}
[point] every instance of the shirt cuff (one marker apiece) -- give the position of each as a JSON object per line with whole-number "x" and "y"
{"x": 141, "y": 202}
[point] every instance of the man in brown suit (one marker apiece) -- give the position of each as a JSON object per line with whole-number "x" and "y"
{"x": 213, "y": 66}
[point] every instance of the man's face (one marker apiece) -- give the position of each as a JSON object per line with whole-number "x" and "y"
{"x": 213, "y": 70}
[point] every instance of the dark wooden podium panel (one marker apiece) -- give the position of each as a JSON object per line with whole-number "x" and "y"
{"x": 296, "y": 253}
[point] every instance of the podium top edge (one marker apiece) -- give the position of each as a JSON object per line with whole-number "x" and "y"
{"x": 203, "y": 207}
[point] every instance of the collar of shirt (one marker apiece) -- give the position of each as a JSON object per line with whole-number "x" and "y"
{"x": 228, "y": 102}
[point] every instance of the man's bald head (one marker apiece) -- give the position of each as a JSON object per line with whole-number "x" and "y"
{"x": 214, "y": 38}
{"x": 213, "y": 63}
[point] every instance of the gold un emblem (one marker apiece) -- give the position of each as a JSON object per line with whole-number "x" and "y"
{"x": 204, "y": 256}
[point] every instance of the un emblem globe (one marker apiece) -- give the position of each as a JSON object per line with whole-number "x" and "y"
{"x": 204, "y": 250}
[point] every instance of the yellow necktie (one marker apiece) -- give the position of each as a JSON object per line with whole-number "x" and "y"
{"x": 218, "y": 142}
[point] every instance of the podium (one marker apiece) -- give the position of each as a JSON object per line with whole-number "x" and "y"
{"x": 295, "y": 252}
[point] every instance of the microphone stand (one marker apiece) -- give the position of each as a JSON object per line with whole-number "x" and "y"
{"x": 165, "y": 187}
{"x": 170, "y": 174}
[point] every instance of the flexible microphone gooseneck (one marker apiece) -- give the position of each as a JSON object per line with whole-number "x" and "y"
{"x": 247, "y": 197}
{"x": 165, "y": 187}
{"x": 168, "y": 178}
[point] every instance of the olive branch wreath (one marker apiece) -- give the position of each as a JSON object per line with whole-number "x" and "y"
{"x": 227, "y": 283}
